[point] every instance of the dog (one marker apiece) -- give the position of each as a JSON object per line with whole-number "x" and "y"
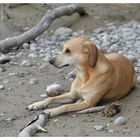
{"x": 99, "y": 77}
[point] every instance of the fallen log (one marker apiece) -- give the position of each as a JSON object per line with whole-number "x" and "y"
{"x": 38, "y": 29}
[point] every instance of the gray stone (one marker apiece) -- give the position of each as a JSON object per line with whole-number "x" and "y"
{"x": 4, "y": 59}
{"x": 33, "y": 81}
{"x": 63, "y": 31}
{"x": 33, "y": 47}
{"x": 26, "y": 46}
{"x": 120, "y": 121}
{"x": 25, "y": 63}
{"x": 99, "y": 127}
{"x": 2, "y": 87}
{"x": 54, "y": 90}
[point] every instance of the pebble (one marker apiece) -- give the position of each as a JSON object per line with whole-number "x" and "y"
{"x": 62, "y": 31}
{"x": 25, "y": 63}
{"x": 32, "y": 55}
{"x": 33, "y": 47}
{"x": 12, "y": 74}
{"x": 56, "y": 120}
{"x": 110, "y": 130}
{"x": 2, "y": 87}
{"x": 26, "y": 46}
{"x": 120, "y": 121}
{"x": 6, "y": 81}
{"x": 43, "y": 95}
{"x": 54, "y": 90}
{"x": 43, "y": 66}
{"x": 99, "y": 127}
{"x": 33, "y": 81}
{"x": 4, "y": 59}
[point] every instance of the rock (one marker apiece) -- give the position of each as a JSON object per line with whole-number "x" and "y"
{"x": 63, "y": 31}
{"x": 99, "y": 127}
{"x": 56, "y": 120}
{"x": 20, "y": 54}
{"x": 138, "y": 79}
{"x": 33, "y": 47}
{"x": 54, "y": 90}
{"x": 120, "y": 121}
{"x": 26, "y": 46}
{"x": 43, "y": 66}
{"x": 4, "y": 59}
{"x": 25, "y": 63}
{"x": 46, "y": 58}
{"x": 12, "y": 74}
{"x": 2, "y": 69}
{"x": 32, "y": 55}
{"x": 110, "y": 130}
{"x": 33, "y": 81}
{"x": 43, "y": 95}
{"x": 6, "y": 81}
{"x": 2, "y": 87}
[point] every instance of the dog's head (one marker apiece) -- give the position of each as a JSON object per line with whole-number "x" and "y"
{"x": 77, "y": 51}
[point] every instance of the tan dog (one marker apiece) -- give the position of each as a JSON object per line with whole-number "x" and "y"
{"x": 99, "y": 77}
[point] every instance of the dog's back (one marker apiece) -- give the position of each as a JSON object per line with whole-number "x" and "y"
{"x": 124, "y": 77}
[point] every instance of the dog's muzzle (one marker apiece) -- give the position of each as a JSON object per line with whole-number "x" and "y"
{"x": 53, "y": 62}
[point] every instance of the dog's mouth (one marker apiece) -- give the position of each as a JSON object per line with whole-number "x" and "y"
{"x": 61, "y": 66}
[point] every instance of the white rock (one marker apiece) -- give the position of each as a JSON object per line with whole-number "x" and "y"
{"x": 110, "y": 130}
{"x": 99, "y": 127}
{"x": 43, "y": 66}
{"x": 43, "y": 95}
{"x": 46, "y": 58}
{"x": 54, "y": 89}
{"x": 6, "y": 81}
{"x": 138, "y": 79}
{"x": 25, "y": 46}
{"x": 1, "y": 87}
{"x": 33, "y": 81}
{"x": 63, "y": 31}
{"x": 20, "y": 54}
{"x": 4, "y": 59}
{"x": 33, "y": 47}
{"x": 25, "y": 63}
{"x": 56, "y": 120}
{"x": 32, "y": 55}
{"x": 12, "y": 74}
{"x": 120, "y": 121}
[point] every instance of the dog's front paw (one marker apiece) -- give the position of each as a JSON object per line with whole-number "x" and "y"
{"x": 35, "y": 106}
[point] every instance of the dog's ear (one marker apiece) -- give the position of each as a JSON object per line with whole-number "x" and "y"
{"x": 92, "y": 49}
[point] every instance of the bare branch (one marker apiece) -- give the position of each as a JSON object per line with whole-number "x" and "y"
{"x": 38, "y": 29}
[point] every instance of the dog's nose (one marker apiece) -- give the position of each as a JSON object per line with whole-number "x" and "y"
{"x": 51, "y": 61}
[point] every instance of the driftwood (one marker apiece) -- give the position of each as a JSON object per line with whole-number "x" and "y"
{"x": 38, "y": 29}
{"x": 34, "y": 126}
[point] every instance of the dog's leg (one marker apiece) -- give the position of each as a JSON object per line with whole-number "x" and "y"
{"x": 64, "y": 98}
{"x": 68, "y": 108}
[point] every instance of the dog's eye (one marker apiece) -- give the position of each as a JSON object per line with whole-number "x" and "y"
{"x": 68, "y": 51}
